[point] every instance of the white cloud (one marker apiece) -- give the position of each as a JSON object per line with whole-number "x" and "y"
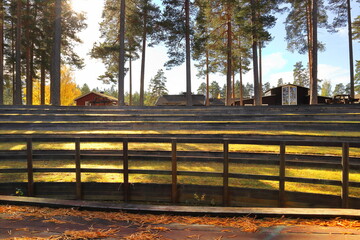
{"x": 273, "y": 62}
{"x": 286, "y": 76}
{"x": 333, "y": 73}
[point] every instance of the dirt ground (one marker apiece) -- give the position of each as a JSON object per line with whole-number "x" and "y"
{"x": 69, "y": 224}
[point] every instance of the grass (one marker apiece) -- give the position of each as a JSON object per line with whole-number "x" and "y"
{"x": 324, "y": 151}
{"x": 269, "y": 170}
{"x": 297, "y": 172}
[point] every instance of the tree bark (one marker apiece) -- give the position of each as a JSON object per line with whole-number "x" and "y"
{"x": 42, "y": 80}
{"x": 309, "y": 37}
{"x": 56, "y": 76}
{"x": 18, "y": 85}
{"x": 314, "y": 73}
{"x": 188, "y": 54}
{"x": 29, "y": 85}
{"x": 233, "y": 86}
{"x": 121, "y": 96}
{"x": 207, "y": 79}
{"x": 229, "y": 58}
{"x": 130, "y": 81}
{"x": 2, "y": 81}
{"x": 143, "y": 55}
{"x": 241, "y": 84}
{"x": 255, "y": 57}
{"x": 351, "y": 54}
{"x": 260, "y": 73}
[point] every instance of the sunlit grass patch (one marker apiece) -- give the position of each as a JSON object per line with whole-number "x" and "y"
{"x": 54, "y": 177}
{"x": 269, "y": 170}
{"x": 318, "y": 173}
{"x": 313, "y": 188}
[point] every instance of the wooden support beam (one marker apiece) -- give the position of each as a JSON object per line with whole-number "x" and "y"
{"x": 345, "y": 176}
{"x": 282, "y": 167}
{"x": 126, "y": 170}
{"x": 174, "y": 192}
{"x": 78, "y": 169}
{"x": 226, "y": 201}
{"x": 30, "y": 169}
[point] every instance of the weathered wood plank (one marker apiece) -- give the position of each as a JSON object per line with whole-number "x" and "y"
{"x": 174, "y": 191}
{"x": 282, "y": 168}
{"x": 345, "y": 176}
{"x": 30, "y": 171}
{"x": 126, "y": 171}
{"x": 226, "y": 198}
{"x": 78, "y": 169}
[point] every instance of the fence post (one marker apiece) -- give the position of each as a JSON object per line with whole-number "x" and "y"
{"x": 126, "y": 169}
{"x": 174, "y": 193}
{"x": 345, "y": 176}
{"x": 30, "y": 169}
{"x": 282, "y": 167}
{"x": 226, "y": 174}
{"x": 78, "y": 169}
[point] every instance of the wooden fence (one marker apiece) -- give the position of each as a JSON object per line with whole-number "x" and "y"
{"x": 176, "y": 193}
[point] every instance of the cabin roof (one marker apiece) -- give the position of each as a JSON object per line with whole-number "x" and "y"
{"x": 99, "y": 94}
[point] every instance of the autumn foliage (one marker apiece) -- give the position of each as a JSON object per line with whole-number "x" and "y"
{"x": 68, "y": 89}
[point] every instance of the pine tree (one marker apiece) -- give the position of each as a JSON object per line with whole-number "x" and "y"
{"x": 36, "y": 43}
{"x": 280, "y": 82}
{"x": 357, "y": 77}
{"x": 356, "y": 29}
{"x": 255, "y": 17}
{"x": 342, "y": 10}
{"x": 177, "y": 28}
{"x": 339, "y": 89}
{"x": 149, "y": 13}
{"x": 202, "y": 89}
{"x": 201, "y": 46}
{"x": 157, "y": 87}
{"x": 301, "y": 34}
{"x": 214, "y": 89}
{"x": 2, "y": 80}
{"x": 301, "y": 75}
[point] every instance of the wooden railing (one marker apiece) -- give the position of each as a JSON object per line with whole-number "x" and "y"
{"x": 226, "y": 193}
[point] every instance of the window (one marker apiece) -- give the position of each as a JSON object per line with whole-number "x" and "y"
{"x": 289, "y": 95}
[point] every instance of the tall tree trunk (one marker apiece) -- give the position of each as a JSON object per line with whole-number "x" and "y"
{"x": 2, "y": 81}
{"x": 229, "y": 58}
{"x": 18, "y": 85}
{"x": 233, "y": 86}
{"x": 42, "y": 80}
{"x": 143, "y": 55}
{"x": 351, "y": 55}
{"x": 130, "y": 81}
{"x": 188, "y": 56}
{"x": 313, "y": 79}
{"x": 56, "y": 76}
{"x": 13, "y": 67}
{"x": 29, "y": 85}
{"x": 255, "y": 57}
{"x": 241, "y": 84}
{"x": 122, "y": 55}
{"x": 260, "y": 73}
{"x": 207, "y": 79}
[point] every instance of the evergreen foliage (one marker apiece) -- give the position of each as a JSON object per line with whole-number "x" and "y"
{"x": 301, "y": 75}
{"x": 36, "y": 44}
{"x": 157, "y": 87}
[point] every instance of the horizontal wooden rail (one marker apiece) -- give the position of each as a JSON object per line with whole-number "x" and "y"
{"x": 175, "y": 157}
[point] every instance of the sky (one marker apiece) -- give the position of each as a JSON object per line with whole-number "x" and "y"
{"x": 277, "y": 61}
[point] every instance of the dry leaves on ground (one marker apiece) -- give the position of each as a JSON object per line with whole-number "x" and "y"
{"x": 246, "y": 224}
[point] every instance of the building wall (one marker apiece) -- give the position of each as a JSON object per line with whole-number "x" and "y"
{"x": 89, "y": 99}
